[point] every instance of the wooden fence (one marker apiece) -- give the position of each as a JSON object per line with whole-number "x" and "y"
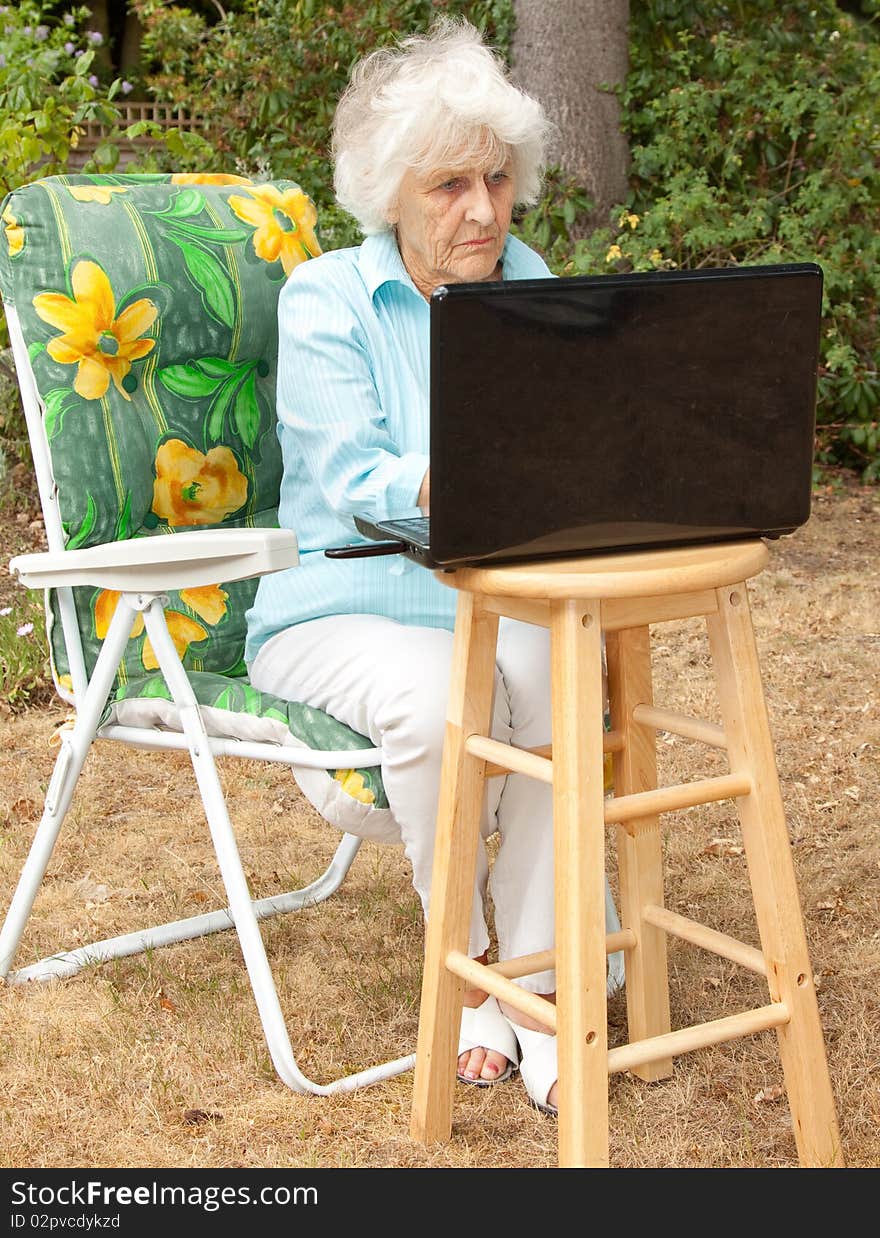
{"x": 165, "y": 115}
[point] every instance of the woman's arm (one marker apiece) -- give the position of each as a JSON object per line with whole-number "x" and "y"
{"x": 328, "y": 400}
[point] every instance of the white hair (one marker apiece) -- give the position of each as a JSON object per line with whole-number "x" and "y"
{"x": 440, "y": 100}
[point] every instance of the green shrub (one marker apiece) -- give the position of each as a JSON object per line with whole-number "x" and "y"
{"x": 49, "y": 90}
{"x": 266, "y": 79}
{"x": 754, "y": 130}
{"x": 25, "y": 676}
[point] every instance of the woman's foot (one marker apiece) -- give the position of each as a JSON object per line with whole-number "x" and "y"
{"x": 537, "y": 1065}
{"x": 487, "y": 1045}
{"x": 538, "y": 1068}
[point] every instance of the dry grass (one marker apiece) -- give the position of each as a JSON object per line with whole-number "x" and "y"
{"x": 98, "y": 1071}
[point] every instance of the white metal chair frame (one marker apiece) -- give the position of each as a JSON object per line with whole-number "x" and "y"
{"x": 142, "y": 570}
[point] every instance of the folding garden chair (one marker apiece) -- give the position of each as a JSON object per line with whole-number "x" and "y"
{"x": 142, "y": 315}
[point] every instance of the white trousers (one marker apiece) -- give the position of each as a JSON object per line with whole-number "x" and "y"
{"x": 390, "y": 682}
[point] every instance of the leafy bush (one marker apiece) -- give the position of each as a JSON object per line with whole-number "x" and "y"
{"x": 49, "y": 91}
{"x": 266, "y": 79}
{"x": 754, "y": 129}
{"x": 25, "y": 677}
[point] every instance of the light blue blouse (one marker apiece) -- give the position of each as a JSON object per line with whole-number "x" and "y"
{"x": 353, "y": 423}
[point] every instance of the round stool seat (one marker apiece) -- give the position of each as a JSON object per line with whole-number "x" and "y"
{"x": 643, "y": 573}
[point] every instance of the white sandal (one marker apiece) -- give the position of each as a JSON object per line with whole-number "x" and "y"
{"x": 485, "y": 1027}
{"x": 538, "y": 1066}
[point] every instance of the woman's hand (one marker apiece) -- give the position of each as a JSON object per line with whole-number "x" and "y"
{"x": 424, "y": 499}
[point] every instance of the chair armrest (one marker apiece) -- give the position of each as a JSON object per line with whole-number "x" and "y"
{"x": 153, "y": 564}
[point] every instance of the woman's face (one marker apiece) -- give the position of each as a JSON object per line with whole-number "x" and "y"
{"x": 452, "y": 224}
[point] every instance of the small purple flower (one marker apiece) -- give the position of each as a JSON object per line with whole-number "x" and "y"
{"x": 7, "y": 610}
{"x": 93, "y": 81}
{"x": 2, "y": 61}
{"x": 27, "y": 30}
{"x": 69, "y": 47}
{"x": 30, "y": 62}
{"x": 41, "y": 33}
{"x": 4, "y": 8}
{"x": 126, "y": 88}
{"x": 95, "y": 36}
{"x": 68, "y": 19}
{"x": 25, "y": 629}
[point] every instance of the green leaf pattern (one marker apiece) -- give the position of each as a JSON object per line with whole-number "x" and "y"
{"x": 229, "y": 387}
{"x": 208, "y": 381}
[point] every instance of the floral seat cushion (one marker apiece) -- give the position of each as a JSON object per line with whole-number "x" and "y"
{"x": 151, "y": 303}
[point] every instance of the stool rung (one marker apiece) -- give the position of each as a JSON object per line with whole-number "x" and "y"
{"x": 612, "y": 741}
{"x": 519, "y": 760}
{"x": 680, "y": 724}
{"x": 479, "y": 976}
{"x": 639, "y": 1052}
{"x": 700, "y": 1036}
{"x": 681, "y": 795}
{"x": 705, "y": 937}
{"x": 545, "y": 960}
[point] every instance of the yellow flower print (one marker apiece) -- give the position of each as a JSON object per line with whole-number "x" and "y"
{"x": 284, "y": 222}
{"x": 182, "y": 630}
{"x": 95, "y": 193}
{"x": 607, "y": 773}
{"x": 105, "y": 607}
{"x": 94, "y": 339}
{"x": 192, "y": 488}
{"x": 14, "y": 233}
{"x": 209, "y": 178}
{"x": 353, "y": 785}
{"x": 208, "y": 601}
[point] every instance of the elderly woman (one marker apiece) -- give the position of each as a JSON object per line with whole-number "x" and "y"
{"x": 433, "y": 147}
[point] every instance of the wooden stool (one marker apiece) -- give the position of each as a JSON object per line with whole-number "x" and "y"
{"x": 580, "y": 600}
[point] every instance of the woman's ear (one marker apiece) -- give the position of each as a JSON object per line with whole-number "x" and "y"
{"x": 392, "y": 215}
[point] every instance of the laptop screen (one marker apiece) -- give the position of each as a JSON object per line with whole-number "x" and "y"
{"x": 596, "y": 413}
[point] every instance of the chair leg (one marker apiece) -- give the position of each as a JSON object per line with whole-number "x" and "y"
{"x": 75, "y": 748}
{"x": 70, "y": 962}
{"x": 240, "y": 905}
{"x": 639, "y": 846}
{"x": 579, "y": 863}
{"x": 774, "y": 887}
{"x": 462, "y": 783}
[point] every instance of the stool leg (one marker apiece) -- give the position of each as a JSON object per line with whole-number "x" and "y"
{"x": 772, "y": 875}
{"x": 462, "y": 781}
{"x": 639, "y": 847}
{"x": 579, "y": 862}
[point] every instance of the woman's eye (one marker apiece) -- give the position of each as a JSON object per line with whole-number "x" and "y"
{"x": 453, "y": 184}
{"x": 496, "y": 178}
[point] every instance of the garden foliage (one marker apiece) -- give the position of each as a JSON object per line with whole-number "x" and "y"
{"x": 267, "y": 77}
{"x": 755, "y": 132}
{"x": 50, "y": 88}
{"x": 754, "y": 127}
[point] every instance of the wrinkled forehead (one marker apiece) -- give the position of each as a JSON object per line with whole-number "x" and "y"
{"x": 473, "y": 149}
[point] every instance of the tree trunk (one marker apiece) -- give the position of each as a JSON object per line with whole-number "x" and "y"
{"x": 130, "y": 45}
{"x": 100, "y": 21}
{"x": 566, "y": 53}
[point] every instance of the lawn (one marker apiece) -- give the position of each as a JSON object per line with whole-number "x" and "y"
{"x": 160, "y": 1061}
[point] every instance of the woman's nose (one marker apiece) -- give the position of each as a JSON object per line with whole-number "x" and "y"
{"x": 480, "y": 208}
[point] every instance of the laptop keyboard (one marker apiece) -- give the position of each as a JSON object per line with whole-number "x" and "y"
{"x": 412, "y": 528}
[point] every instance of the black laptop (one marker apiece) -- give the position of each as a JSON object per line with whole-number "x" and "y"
{"x": 589, "y": 415}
